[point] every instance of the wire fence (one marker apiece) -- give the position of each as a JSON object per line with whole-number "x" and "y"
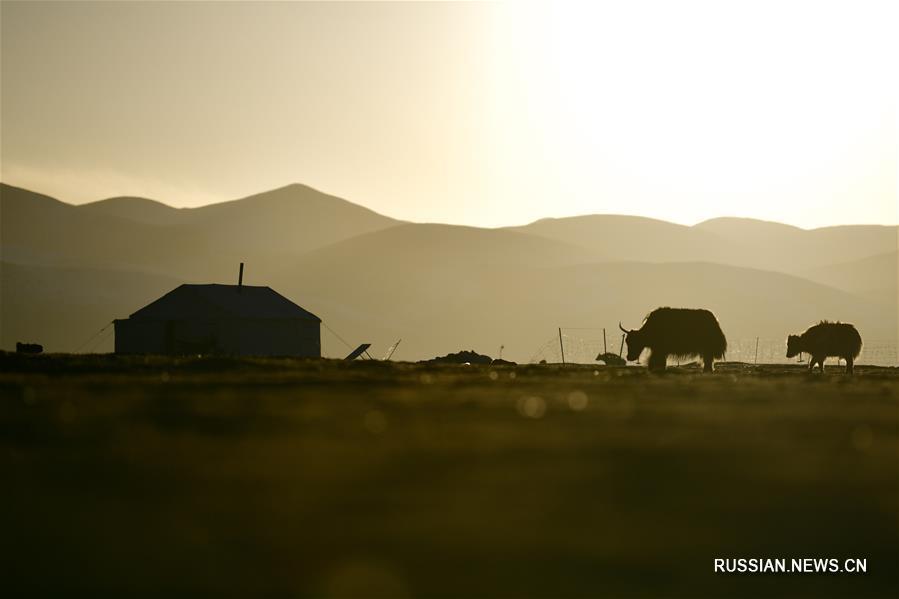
{"x": 583, "y": 346}
{"x": 875, "y": 352}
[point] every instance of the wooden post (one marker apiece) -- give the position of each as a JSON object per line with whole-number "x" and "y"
{"x": 621, "y": 349}
{"x": 561, "y": 347}
{"x": 605, "y": 349}
{"x": 756, "y": 350}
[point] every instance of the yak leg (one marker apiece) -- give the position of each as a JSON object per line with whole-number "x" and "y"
{"x": 657, "y": 361}
{"x": 816, "y": 360}
{"x": 707, "y": 361}
{"x": 849, "y": 364}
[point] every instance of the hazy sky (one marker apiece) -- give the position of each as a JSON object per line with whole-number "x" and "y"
{"x": 475, "y": 113}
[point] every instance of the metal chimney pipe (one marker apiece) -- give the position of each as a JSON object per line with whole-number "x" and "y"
{"x": 240, "y": 277}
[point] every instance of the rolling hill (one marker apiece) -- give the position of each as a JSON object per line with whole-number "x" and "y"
{"x": 67, "y": 270}
{"x": 737, "y": 241}
{"x": 147, "y": 236}
{"x": 439, "y": 301}
{"x": 873, "y": 277}
{"x": 64, "y": 308}
{"x": 140, "y": 210}
{"x": 775, "y": 246}
{"x": 618, "y": 237}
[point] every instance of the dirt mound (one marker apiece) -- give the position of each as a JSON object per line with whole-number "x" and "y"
{"x": 462, "y": 357}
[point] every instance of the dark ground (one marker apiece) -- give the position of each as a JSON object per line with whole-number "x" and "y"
{"x": 163, "y": 477}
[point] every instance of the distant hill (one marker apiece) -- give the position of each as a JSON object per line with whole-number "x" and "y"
{"x": 284, "y": 221}
{"x": 203, "y": 243}
{"x": 747, "y": 229}
{"x": 63, "y": 308}
{"x": 874, "y": 277}
{"x": 141, "y": 210}
{"x": 617, "y": 237}
{"x": 438, "y": 299}
{"x": 293, "y": 218}
{"x": 775, "y": 246}
{"x": 736, "y": 241}
{"x": 39, "y": 230}
{"x": 68, "y": 270}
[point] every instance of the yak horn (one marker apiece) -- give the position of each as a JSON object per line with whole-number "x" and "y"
{"x": 622, "y": 328}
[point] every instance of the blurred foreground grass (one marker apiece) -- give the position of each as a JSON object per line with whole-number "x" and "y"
{"x": 161, "y": 477}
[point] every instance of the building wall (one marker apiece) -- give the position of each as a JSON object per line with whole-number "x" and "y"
{"x": 246, "y": 337}
{"x": 272, "y": 337}
{"x": 139, "y": 337}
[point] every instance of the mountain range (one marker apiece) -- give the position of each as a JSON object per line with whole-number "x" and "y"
{"x": 68, "y": 270}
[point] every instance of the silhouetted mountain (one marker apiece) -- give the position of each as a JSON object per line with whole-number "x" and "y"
{"x": 36, "y": 229}
{"x": 874, "y": 277}
{"x": 203, "y": 243}
{"x": 620, "y": 237}
{"x": 410, "y": 282}
{"x": 736, "y": 241}
{"x": 140, "y": 210}
{"x": 287, "y": 220}
{"x": 65, "y": 307}
{"x": 775, "y": 246}
{"x": 752, "y": 229}
{"x": 69, "y": 270}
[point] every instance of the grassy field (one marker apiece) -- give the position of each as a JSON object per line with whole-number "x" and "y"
{"x": 163, "y": 477}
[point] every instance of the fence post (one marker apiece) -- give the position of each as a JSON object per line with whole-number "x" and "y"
{"x": 561, "y": 347}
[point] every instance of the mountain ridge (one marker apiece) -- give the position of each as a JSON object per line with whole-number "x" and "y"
{"x": 296, "y": 186}
{"x": 440, "y": 287}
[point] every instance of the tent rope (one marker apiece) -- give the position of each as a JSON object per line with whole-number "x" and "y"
{"x": 101, "y": 339}
{"x": 92, "y": 337}
{"x": 333, "y": 332}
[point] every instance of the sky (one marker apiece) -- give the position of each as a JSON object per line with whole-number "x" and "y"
{"x": 485, "y": 114}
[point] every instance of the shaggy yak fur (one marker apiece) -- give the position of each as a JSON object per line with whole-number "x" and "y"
{"x": 825, "y": 340}
{"x": 679, "y": 332}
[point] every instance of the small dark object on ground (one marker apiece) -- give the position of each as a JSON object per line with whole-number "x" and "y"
{"x": 501, "y": 362}
{"x": 29, "y": 348}
{"x": 362, "y": 349}
{"x": 462, "y": 357}
{"x": 611, "y": 359}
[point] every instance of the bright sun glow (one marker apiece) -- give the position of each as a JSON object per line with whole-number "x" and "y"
{"x": 477, "y": 113}
{"x": 686, "y": 111}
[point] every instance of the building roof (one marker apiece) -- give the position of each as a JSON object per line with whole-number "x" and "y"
{"x": 222, "y": 301}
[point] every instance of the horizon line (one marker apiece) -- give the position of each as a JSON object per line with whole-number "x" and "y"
{"x": 427, "y": 222}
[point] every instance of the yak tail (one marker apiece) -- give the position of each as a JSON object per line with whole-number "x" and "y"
{"x": 721, "y": 349}
{"x": 856, "y": 344}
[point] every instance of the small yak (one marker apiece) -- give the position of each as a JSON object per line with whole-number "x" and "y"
{"x": 825, "y": 340}
{"x": 679, "y": 332}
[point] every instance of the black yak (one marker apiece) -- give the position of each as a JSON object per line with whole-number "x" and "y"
{"x": 825, "y": 340}
{"x": 679, "y": 332}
